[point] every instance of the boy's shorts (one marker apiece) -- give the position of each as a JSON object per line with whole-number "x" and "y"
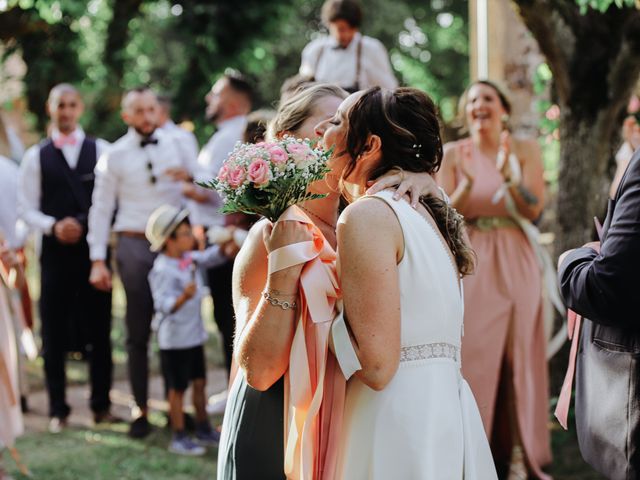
{"x": 180, "y": 366}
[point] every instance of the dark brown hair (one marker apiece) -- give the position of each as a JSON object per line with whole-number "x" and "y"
{"x": 348, "y": 10}
{"x": 406, "y": 121}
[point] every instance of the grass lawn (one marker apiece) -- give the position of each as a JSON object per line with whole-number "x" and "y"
{"x": 108, "y": 454}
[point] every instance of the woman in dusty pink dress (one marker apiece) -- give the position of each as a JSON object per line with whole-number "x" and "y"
{"x": 496, "y": 182}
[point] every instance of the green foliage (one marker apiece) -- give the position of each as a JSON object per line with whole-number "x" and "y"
{"x": 181, "y": 48}
{"x": 603, "y": 5}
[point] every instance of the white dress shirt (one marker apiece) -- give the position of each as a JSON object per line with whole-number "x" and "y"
{"x": 339, "y": 65}
{"x": 186, "y": 143}
{"x": 8, "y": 205}
{"x": 124, "y": 178}
{"x": 210, "y": 160}
{"x": 30, "y": 185}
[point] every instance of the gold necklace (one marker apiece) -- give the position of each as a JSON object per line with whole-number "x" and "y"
{"x": 318, "y": 217}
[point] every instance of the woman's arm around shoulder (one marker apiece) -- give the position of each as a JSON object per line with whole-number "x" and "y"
{"x": 370, "y": 245}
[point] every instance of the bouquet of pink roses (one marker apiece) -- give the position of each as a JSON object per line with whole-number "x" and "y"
{"x": 268, "y": 177}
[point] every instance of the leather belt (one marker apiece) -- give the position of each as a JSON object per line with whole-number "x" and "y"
{"x": 491, "y": 223}
{"x": 127, "y": 233}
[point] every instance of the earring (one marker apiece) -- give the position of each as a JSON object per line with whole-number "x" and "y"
{"x": 504, "y": 118}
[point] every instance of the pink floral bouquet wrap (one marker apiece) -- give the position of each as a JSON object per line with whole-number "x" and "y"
{"x": 268, "y": 177}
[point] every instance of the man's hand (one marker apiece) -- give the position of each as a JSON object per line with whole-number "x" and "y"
{"x": 593, "y": 245}
{"x": 230, "y": 249}
{"x": 8, "y": 257}
{"x": 100, "y": 276}
{"x": 68, "y": 230}
{"x": 194, "y": 192}
{"x": 179, "y": 174}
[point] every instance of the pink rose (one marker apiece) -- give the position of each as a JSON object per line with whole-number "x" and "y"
{"x": 278, "y": 155}
{"x": 236, "y": 176}
{"x": 259, "y": 172}
{"x": 223, "y": 174}
{"x": 300, "y": 153}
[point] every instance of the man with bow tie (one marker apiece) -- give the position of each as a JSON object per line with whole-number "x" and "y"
{"x": 55, "y": 188}
{"x": 345, "y": 57}
{"x": 136, "y": 176}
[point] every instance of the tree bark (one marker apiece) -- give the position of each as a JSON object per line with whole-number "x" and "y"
{"x": 593, "y": 58}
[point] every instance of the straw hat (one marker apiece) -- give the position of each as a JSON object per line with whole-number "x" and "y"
{"x": 162, "y": 222}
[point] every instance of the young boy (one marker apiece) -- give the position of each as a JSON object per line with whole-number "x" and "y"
{"x": 177, "y": 293}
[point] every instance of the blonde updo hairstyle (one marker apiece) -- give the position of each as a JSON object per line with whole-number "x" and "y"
{"x": 296, "y": 109}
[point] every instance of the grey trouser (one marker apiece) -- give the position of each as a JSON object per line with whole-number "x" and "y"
{"x": 134, "y": 260}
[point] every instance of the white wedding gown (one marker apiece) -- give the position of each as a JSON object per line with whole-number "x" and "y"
{"x": 425, "y": 423}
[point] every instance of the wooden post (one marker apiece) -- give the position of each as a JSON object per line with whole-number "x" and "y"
{"x": 503, "y": 50}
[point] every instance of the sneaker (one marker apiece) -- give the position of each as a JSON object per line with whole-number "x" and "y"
{"x": 57, "y": 424}
{"x": 183, "y": 445}
{"x": 140, "y": 428}
{"x": 207, "y": 437}
{"x": 217, "y": 403}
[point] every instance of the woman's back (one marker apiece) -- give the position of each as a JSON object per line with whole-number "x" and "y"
{"x": 424, "y": 423}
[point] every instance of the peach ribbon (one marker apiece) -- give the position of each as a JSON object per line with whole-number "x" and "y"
{"x": 314, "y": 385}
{"x": 564, "y": 400}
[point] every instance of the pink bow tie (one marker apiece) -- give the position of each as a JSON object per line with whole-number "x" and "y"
{"x": 63, "y": 140}
{"x": 185, "y": 262}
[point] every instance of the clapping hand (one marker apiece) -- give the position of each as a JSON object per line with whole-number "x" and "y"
{"x": 502, "y": 163}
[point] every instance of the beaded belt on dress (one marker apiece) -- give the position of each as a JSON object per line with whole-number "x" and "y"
{"x": 430, "y": 350}
{"x": 491, "y": 223}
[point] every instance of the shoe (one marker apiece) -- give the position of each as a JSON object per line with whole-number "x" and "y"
{"x": 140, "y": 428}
{"x": 106, "y": 417}
{"x": 207, "y": 436}
{"x": 183, "y": 445}
{"x": 24, "y": 404}
{"x": 217, "y": 403}
{"x": 57, "y": 424}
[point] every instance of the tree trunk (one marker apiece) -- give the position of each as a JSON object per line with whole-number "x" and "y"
{"x": 585, "y": 153}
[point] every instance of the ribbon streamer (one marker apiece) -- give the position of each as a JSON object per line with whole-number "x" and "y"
{"x": 314, "y": 385}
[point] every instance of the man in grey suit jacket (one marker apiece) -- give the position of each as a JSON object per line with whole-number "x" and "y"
{"x": 600, "y": 282}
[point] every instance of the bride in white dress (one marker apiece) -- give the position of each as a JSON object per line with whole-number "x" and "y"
{"x": 409, "y": 414}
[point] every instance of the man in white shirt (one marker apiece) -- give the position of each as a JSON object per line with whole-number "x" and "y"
{"x": 228, "y": 104}
{"x": 186, "y": 141}
{"x": 55, "y": 187}
{"x": 345, "y": 57}
{"x": 134, "y": 176}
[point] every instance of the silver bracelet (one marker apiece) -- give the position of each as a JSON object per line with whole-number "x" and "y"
{"x": 283, "y": 304}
